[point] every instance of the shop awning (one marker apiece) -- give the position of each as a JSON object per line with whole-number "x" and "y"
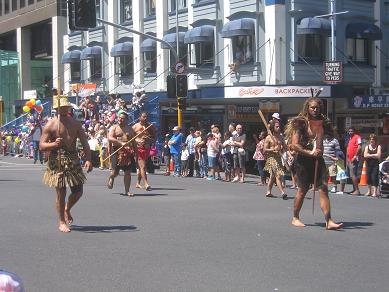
{"x": 200, "y": 34}
{"x": 91, "y": 53}
{"x": 171, "y": 39}
{"x": 313, "y": 25}
{"x": 122, "y": 49}
{"x": 239, "y": 27}
{"x": 363, "y": 30}
{"x": 71, "y": 57}
{"x": 148, "y": 45}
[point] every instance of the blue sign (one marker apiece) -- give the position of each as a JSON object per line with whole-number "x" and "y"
{"x": 370, "y": 101}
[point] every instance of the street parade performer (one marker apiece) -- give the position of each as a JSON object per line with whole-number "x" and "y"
{"x": 120, "y": 136}
{"x": 146, "y": 136}
{"x": 305, "y": 137}
{"x": 63, "y": 167}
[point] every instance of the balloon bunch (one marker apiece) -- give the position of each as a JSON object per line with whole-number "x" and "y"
{"x": 33, "y": 104}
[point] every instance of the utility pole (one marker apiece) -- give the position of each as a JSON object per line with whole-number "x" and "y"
{"x": 332, "y": 16}
{"x": 179, "y": 111}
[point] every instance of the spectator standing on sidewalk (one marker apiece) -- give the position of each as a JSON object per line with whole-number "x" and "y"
{"x": 175, "y": 144}
{"x": 239, "y": 154}
{"x": 36, "y": 134}
{"x": 166, "y": 154}
{"x": 354, "y": 150}
{"x": 372, "y": 155}
{"x": 190, "y": 141}
{"x": 330, "y": 147}
{"x": 259, "y": 156}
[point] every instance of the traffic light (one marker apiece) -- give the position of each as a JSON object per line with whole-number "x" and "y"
{"x": 171, "y": 86}
{"x": 82, "y": 14}
{"x": 182, "y": 85}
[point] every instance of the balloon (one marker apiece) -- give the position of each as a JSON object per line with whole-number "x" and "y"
{"x": 32, "y": 101}
{"x": 29, "y": 104}
{"x": 38, "y": 103}
{"x": 17, "y": 139}
{"x": 87, "y": 122}
{"x": 39, "y": 108}
{"x": 8, "y": 138}
{"x": 24, "y": 129}
{"x": 26, "y": 109}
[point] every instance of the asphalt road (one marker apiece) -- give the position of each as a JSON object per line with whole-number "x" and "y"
{"x": 186, "y": 235}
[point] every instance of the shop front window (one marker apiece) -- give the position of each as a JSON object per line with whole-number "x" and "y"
{"x": 181, "y": 4}
{"x": 311, "y": 47}
{"x": 242, "y": 49}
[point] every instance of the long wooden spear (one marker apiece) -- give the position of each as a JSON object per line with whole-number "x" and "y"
{"x": 128, "y": 142}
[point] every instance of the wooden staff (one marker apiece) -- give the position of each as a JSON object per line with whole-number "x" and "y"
{"x": 128, "y": 142}
{"x": 265, "y": 122}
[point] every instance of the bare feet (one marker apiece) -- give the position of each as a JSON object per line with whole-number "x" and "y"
{"x": 138, "y": 186}
{"x": 269, "y": 195}
{"x": 331, "y": 225}
{"x": 110, "y": 183}
{"x": 148, "y": 188}
{"x": 297, "y": 222}
{"x": 368, "y": 194}
{"x": 130, "y": 194}
{"x": 68, "y": 217}
{"x": 63, "y": 227}
{"x": 355, "y": 193}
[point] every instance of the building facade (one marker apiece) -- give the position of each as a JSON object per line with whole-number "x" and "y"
{"x": 33, "y": 29}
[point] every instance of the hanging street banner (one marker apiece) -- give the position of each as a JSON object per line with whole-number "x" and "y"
{"x": 369, "y": 101}
{"x": 332, "y": 72}
{"x": 275, "y": 91}
{"x": 84, "y": 89}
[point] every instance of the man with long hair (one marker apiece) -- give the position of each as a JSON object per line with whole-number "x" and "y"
{"x": 305, "y": 137}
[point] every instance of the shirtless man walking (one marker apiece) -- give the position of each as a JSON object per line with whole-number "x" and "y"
{"x": 143, "y": 143}
{"x": 119, "y": 135}
{"x": 61, "y": 135}
{"x": 305, "y": 135}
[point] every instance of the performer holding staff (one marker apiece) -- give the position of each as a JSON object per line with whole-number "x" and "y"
{"x": 305, "y": 136}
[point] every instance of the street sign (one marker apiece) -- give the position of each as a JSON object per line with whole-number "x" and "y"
{"x": 179, "y": 68}
{"x": 333, "y": 72}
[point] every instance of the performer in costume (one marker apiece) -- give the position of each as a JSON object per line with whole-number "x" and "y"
{"x": 64, "y": 169}
{"x": 119, "y": 135}
{"x": 305, "y": 136}
{"x": 143, "y": 144}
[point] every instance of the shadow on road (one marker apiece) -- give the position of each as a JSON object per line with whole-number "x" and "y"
{"x": 168, "y": 189}
{"x": 351, "y": 225}
{"x": 148, "y": 194}
{"x": 104, "y": 229}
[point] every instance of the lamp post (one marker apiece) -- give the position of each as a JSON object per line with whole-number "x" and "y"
{"x": 332, "y": 16}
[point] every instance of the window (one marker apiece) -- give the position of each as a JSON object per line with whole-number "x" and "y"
{"x": 183, "y": 53}
{"x": 150, "y": 8}
{"x": 202, "y": 54}
{"x": 14, "y": 5}
{"x": 242, "y": 48}
{"x": 22, "y": 3}
{"x": 125, "y": 10}
{"x": 312, "y": 47}
{"x": 75, "y": 71}
{"x": 181, "y": 4}
{"x": 6, "y": 6}
{"x": 99, "y": 13}
{"x": 150, "y": 62}
{"x": 30, "y": 2}
{"x": 359, "y": 50}
{"x": 124, "y": 66}
{"x": 95, "y": 68}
